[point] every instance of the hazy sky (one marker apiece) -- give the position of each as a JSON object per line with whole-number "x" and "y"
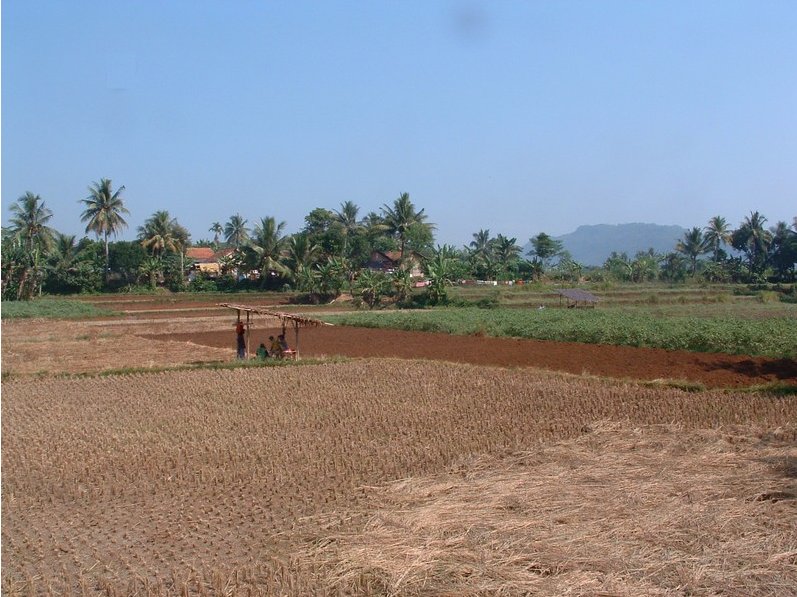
{"x": 517, "y": 116}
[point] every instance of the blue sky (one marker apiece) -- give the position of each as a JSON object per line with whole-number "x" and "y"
{"x": 519, "y": 117}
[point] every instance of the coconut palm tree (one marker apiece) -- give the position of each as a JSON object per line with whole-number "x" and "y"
{"x": 753, "y": 239}
{"x": 346, "y": 218}
{"x": 783, "y": 250}
{"x": 302, "y": 252}
{"x": 29, "y": 218}
{"x": 160, "y": 233}
{"x": 103, "y": 213}
{"x": 235, "y": 231}
{"x": 63, "y": 253}
{"x": 217, "y": 229}
{"x": 399, "y": 219}
{"x": 692, "y": 245}
{"x": 717, "y": 233}
{"x": 264, "y": 248}
{"x": 507, "y": 252}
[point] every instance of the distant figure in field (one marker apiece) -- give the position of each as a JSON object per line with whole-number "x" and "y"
{"x": 284, "y": 343}
{"x": 276, "y": 347}
{"x": 241, "y": 340}
{"x": 262, "y": 353}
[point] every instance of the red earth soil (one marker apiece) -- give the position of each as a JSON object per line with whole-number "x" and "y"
{"x": 710, "y": 369}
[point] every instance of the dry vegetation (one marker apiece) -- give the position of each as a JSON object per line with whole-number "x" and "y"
{"x": 284, "y": 481}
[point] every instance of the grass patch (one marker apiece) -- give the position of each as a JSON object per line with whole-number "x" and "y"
{"x": 205, "y": 365}
{"x": 773, "y": 336}
{"x": 777, "y": 388}
{"x": 51, "y": 308}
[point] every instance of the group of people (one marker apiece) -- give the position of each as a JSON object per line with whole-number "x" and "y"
{"x": 278, "y": 347}
{"x": 278, "y": 350}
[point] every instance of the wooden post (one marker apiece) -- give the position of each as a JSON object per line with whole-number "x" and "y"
{"x": 247, "y": 334}
{"x": 296, "y": 329}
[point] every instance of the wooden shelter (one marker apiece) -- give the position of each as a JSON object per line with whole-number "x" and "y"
{"x": 286, "y": 319}
{"x": 577, "y": 297}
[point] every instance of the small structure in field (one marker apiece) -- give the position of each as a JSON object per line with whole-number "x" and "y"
{"x": 577, "y": 298}
{"x": 286, "y": 319}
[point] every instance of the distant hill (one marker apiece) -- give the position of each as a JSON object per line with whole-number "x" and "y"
{"x": 591, "y": 245}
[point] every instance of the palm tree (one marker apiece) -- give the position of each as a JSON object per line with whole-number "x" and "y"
{"x": 265, "y": 248}
{"x": 302, "y": 251}
{"x": 63, "y": 252}
{"x": 692, "y": 245}
{"x": 481, "y": 243}
{"x": 752, "y": 238}
{"x": 717, "y": 233}
{"x": 235, "y": 231}
{"x": 783, "y": 250}
{"x": 507, "y": 252}
{"x": 400, "y": 218}
{"x": 160, "y": 233}
{"x": 103, "y": 212}
{"x": 29, "y": 222}
{"x": 217, "y": 230}
{"x": 29, "y": 218}
{"x": 163, "y": 234}
{"x": 347, "y": 219}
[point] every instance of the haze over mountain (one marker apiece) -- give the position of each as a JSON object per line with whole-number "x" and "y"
{"x": 592, "y": 244}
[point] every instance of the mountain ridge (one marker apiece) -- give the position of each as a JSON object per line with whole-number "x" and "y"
{"x": 591, "y": 244}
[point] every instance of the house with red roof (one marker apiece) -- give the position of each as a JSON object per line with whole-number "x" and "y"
{"x": 207, "y": 260}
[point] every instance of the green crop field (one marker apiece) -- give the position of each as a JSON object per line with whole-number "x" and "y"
{"x": 56, "y": 308}
{"x": 741, "y": 330}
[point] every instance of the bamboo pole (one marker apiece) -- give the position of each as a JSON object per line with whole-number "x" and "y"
{"x": 247, "y": 335}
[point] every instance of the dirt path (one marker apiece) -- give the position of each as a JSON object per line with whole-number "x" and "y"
{"x": 712, "y": 370}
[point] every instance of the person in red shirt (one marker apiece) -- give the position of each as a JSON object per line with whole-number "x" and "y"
{"x": 239, "y": 331}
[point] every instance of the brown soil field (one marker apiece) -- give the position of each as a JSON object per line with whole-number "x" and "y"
{"x": 167, "y": 338}
{"x": 393, "y": 477}
{"x": 711, "y": 370}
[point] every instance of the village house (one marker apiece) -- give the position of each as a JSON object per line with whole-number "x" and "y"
{"x": 206, "y": 260}
{"x": 388, "y": 262}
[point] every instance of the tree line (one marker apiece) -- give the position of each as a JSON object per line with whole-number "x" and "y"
{"x": 330, "y": 254}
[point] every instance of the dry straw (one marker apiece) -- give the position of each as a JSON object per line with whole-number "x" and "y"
{"x": 262, "y": 480}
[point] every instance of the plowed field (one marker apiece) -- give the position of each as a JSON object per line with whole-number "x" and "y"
{"x": 712, "y": 370}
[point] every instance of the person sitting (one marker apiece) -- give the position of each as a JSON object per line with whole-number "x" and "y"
{"x": 276, "y": 347}
{"x": 262, "y": 353}
{"x": 286, "y": 350}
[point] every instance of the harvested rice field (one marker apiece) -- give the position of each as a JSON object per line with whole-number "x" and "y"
{"x": 393, "y": 477}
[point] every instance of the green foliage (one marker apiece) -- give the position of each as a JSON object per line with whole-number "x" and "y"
{"x": 51, "y": 308}
{"x": 440, "y": 272}
{"x": 776, "y": 337}
{"x": 372, "y": 286}
{"x": 125, "y": 259}
{"x": 203, "y": 283}
{"x": 545, "y": 248}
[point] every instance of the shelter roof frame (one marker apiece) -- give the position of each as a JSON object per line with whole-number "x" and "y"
{"x": 575, "y": 296}
{"x": 297, "y": 321}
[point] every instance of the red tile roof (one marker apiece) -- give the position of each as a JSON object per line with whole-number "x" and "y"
{"x": 200, "y": 253}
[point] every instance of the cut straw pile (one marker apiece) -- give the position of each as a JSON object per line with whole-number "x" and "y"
{"x": 650, "y": 511}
